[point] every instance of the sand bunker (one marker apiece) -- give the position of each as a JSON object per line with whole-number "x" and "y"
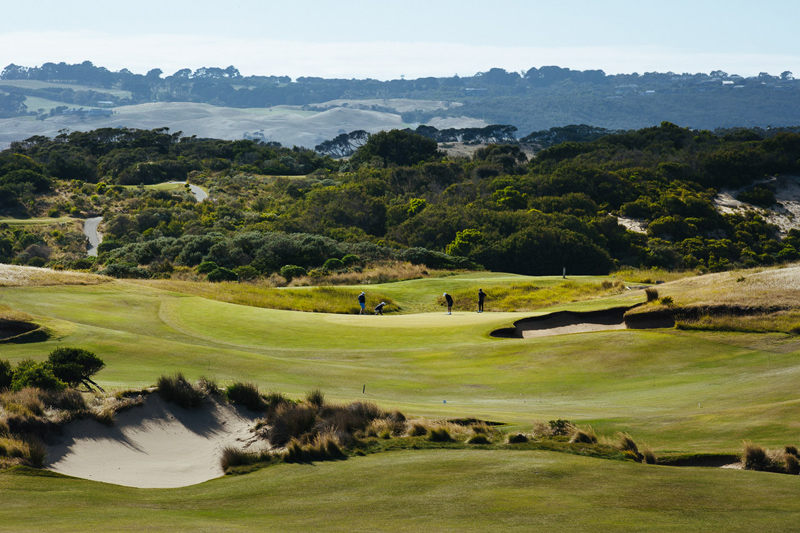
{"x": 564, "y": 322}
{"x": 158, "y": 445}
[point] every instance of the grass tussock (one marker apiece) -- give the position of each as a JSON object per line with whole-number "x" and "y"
{"x": 479, "y": 439}
{"x": 783, "y": 321}
{"x": 628, "y": 447}
{"x": 586, "y": 436}
{"x": 27, "y": 451}
{"x": 246, "y": 394}
{"x": 518, "y": 438}
{"x": 177, "y": 389}
{"x": 755, "y": 457}
{"x": 651, "y": 293}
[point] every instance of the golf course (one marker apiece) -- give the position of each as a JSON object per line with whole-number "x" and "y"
{"x": 683, "y": 392}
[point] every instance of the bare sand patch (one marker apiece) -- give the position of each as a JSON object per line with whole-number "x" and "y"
{"x": 158, "y": 445}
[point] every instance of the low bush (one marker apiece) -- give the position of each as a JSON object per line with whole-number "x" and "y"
{"x": 290, "y": 421}
{"x": 315, "y": 397}
{"x": 206, "y": 266}
{"x": 292, "y": 271}
{"x": 479, "y": 439}
{"x": 648, "y": 456}
{"x": 245, "y": 394}
{"x": 232, "y": 456}
{"x": 651, "y": 293}
{"x": 29, "y": 373}
{"x": 177, "y": 389}
{"x": 6, "y": 374}
{"x": 222, "y": 274}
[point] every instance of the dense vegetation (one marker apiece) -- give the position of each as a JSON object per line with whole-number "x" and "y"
{"x": 399, "y": 198}
{"x": 537, "y": 99}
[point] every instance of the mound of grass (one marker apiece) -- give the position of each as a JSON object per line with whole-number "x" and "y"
{"x": 246, "y": 394}
{"x": 439, "y": 435}
{"x": 586, "y": 436}
{"x": 479, "y": 439}
{"x": 177, "y": 389}
{"x": 517, "y": 438}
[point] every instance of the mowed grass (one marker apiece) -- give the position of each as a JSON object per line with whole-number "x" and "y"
{"x": 432, "y": 490}
{"x": 677, "y": 391}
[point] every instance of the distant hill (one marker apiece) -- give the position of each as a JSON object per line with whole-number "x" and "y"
{"x": 536, "y": 100}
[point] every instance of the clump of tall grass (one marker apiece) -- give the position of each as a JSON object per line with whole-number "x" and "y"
{"x": 479, "y": 439}
{"x": 755, "y": 457}
{"x": 651, "y": 293}
{"x": 628, "y": 447}
{"x": 585, "y": 436}
{"x": 417, "y": 430}
{"x": 177, "y": 389}
{"x": 315, "y": 397}
{"x": 28, "y": 451}
{"x": 553, "y": 428}
{"x": 324, "y": 447}
{"x": 439, "y": 435}
{"x": 517, "y": 438}
{"x": 246, "y": 394}
{"x": 648, "y": 456}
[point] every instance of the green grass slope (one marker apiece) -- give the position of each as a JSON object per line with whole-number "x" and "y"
{"x": 458, "y": 490}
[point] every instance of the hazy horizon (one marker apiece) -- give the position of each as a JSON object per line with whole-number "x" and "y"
{"x": 357, "y": 39}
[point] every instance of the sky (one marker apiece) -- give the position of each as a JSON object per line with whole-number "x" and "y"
{"x": 410, "y": 38}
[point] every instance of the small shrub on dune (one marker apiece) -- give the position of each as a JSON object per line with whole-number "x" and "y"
{"x": 584, "y": 436}
{"x": 29, "y": 451}
{"x": 245, "y": 394}
{"x": 754, "y": 457}
{"x": 439, "y": 435}
{"x": 519, "y": 438}
{"x": 273, "y": 400}
{"x": 177, "y": 389}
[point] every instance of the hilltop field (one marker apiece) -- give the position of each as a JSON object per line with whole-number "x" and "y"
{"x": 727, "y": 373}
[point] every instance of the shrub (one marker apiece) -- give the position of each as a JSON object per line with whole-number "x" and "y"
{"x": 29, "y": 373}
{"x": 440, "y": 435}
{"x": 6, "y": 374}
{"x": 75, "y": 366}
{"x": 586, "y": 436}
{"x": 273, "y": 400}
{"x": 315, "y": 397}
{"x": 792, "y": 450}
{"x": 651, "y": 293}
{"x": 245, "y": 394}
{"x": 519, "y": 438}
{"x": 206, "y": 266}
{"x": 648, "y": 456}
{"x": 246, "y": 272}
{"x": 333, "y": 264}
{"x": 666, "y": 300}
{"x": 791, "y": 464}
{"x": 560, "y": 427}
{"x": 177, "y": 389}
{"x": 292, "y": 271}
{"x": 351, "y": 260}
{"x": 754, "y": 457}
{"x": 222, "y": 274}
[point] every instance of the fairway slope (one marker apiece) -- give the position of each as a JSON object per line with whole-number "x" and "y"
{"x": 158, "y": 445}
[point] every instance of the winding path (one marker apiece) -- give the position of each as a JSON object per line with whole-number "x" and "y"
{"x": 95, "y": 238}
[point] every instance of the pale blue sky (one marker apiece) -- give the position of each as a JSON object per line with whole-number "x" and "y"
{"x": 355, "y": 38}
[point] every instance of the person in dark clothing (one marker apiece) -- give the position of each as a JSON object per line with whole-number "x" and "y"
{"x": 362, "y": 301}
{"x": 449, "y": 300}
{"x": 481, "y": 298}
{"x": 379, "y": 308}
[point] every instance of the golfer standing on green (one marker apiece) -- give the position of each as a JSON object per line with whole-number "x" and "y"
{"x": 449, "y": 300}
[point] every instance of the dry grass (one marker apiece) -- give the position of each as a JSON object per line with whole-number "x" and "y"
{"x": 25, "y": 276}
{"x": 261, "y": 294}
{"x": 381, "y": 273}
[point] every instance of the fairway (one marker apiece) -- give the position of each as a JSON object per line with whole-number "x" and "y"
{"x": 676, "y": 391}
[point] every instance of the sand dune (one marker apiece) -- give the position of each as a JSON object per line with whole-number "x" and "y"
{"x": 157, "y": 445}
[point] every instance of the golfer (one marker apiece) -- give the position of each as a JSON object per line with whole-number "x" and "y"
{"x": 362, "y": 301}
{"x": 379, "y": 308}
{"x": 481, "y": 298}
{"x": 449, "y": 300}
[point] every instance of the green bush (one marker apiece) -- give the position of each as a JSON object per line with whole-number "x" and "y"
{"x": 205, "y": 267}
{"x": 292, "y": 271}
{"x": 245, "y": 394}
{"x": 246, "y": 272}
{"x": 351, "y": 260}
{"x": 177, "y": 389}
{"x": 222, "y": 274}
{"x": 29, "y": 373}
{"x": 75, "y": 366}
{"x": 479, "y": 439}
{"x": 333, "y": 264}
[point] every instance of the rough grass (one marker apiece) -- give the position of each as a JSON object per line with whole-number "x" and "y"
{"x": 246, "y": 394}
{"x": 25, "y": 276}
{"x": 177, "y": 389}
{"x": 314, "y": 299}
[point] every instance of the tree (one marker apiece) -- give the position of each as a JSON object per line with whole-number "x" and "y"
{"x": 29, "y": 373}
{"x": 397, "y": 147}
{"x": 76, "y": 366}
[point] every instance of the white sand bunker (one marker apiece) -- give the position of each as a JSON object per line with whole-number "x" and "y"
{"x": 158, "y": 445}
